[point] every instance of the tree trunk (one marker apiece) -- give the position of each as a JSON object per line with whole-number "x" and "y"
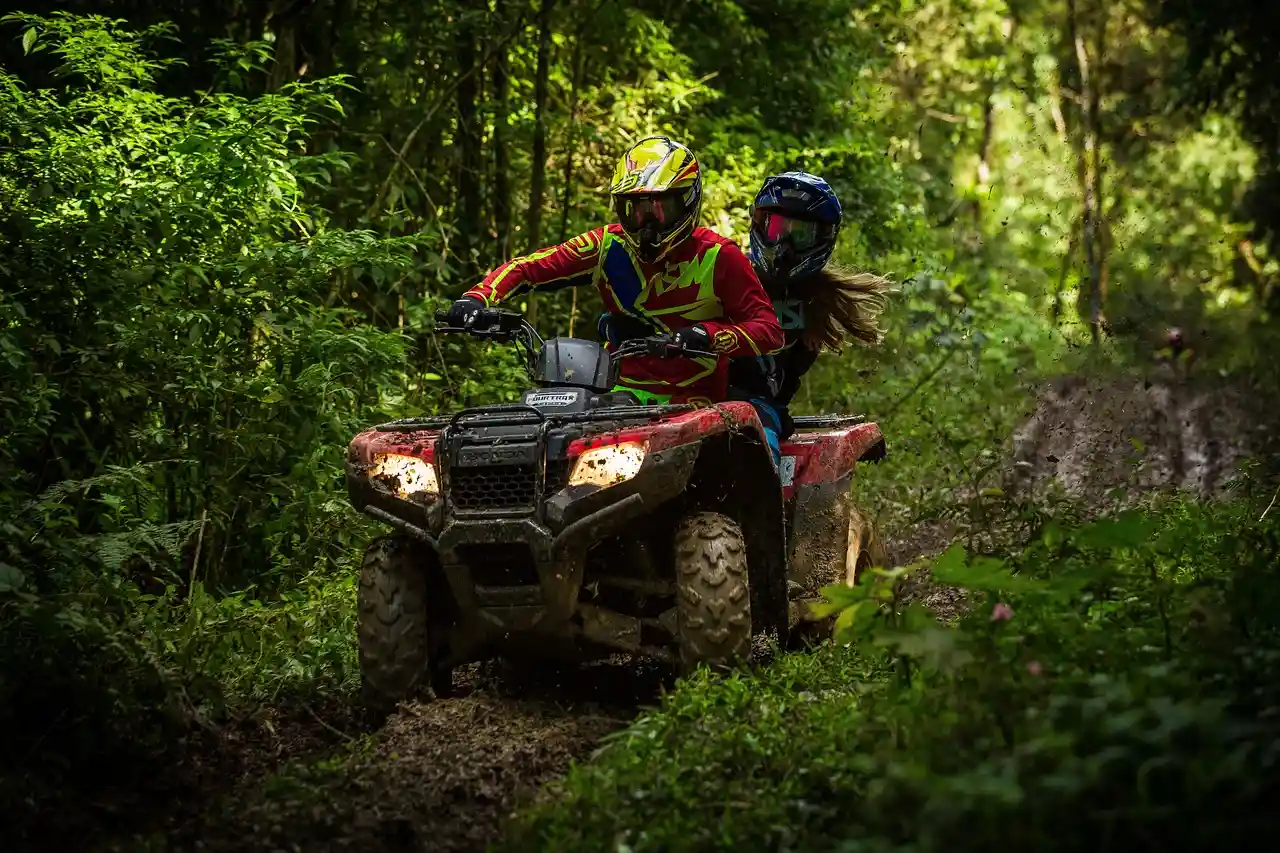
{"x": 471, "y": 161}
{"x": 1067, "y": 258}
{"x": 1088, "y": 175}
{"x": 1097, "y": 306}
{"x": 537, "y": 182}
{"x": 501, "y": 159}
{"x": 285, "y": 19}
{"x": 984, "y": 155}
{"x": 579, "y": 63}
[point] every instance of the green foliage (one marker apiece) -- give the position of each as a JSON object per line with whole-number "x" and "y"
{"x": 177, "y": 397}
{"x": 1089, "y": 698}
{"x": 221, "y": 245}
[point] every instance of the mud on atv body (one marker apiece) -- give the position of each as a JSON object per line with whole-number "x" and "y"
{"x": 579, "y": 523}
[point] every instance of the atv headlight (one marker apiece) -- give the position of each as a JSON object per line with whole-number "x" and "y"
{"x": 406, "y": 475}
{"x": 608, "y": 465}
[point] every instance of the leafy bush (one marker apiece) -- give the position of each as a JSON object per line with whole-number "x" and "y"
{"x": 175, "y": 402}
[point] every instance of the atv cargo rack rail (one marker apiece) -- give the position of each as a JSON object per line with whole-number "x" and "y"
{"x": 515, "y": 415}
{"x": 827, "y": 421}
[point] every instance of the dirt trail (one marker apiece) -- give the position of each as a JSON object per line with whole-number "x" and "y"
{"x": 1108, "y": 442}
{"x": 436, "y": 775}
{"x": 1091, "y": 436}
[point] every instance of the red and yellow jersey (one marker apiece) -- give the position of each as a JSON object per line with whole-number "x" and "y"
{"x": 706, "y": 279}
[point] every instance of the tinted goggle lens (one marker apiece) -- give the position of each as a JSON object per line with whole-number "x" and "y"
{"x": 773, "y": 228}
{"x": 634, "y": 212}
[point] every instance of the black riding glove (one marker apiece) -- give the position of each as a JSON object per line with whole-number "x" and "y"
{"x": 463, "y": 313}
{"x": 695, "y": 337}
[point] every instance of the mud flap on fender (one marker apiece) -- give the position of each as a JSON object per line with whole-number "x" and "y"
{"x": 819, "y": 541}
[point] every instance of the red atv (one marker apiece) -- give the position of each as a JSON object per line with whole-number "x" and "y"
{"x": 581, "y": 522}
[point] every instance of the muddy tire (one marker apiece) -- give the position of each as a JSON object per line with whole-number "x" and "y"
{"x": 392, "y": 618}
{"x": 713, "y": 596}
{"x": 865, "y": 551}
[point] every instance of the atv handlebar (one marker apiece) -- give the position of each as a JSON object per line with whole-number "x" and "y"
{"x": 495, "y": 324}
{"x": 490, "y": 323}
{"x": 658, "y": 346}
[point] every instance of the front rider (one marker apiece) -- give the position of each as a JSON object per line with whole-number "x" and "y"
{"x": 657, "y": 273}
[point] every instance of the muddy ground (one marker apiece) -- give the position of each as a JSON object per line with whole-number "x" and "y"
{"x": 434, "y": 776}
{"x": 444, "y": 776}
{"x": 1140, "y": 434}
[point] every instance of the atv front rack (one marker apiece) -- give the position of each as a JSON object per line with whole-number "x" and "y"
{"x": 517, "y": 415}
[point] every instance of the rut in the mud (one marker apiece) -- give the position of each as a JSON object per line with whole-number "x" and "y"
{"x": 1107, "y": 443}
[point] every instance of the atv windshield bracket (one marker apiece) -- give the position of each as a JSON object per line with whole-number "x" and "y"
{"x": 491, "y": 416}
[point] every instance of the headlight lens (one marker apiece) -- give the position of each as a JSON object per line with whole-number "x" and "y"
{"x": 406, "y": 475}
{"x": 609, "y": 465}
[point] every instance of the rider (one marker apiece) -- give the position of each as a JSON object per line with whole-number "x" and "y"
{"x": 795, "y": 219}
{"x": 657, "y": 273}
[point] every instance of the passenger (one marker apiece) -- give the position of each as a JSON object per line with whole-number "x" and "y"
{"x": 795, "y": 220}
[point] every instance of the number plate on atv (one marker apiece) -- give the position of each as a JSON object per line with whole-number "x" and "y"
{"x": 787, "y": 470}
{"x": 497, "y": 454}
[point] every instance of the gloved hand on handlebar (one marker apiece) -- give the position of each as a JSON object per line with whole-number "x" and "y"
{"x": 464, "y": 312}
{"x": 695, "y": 337}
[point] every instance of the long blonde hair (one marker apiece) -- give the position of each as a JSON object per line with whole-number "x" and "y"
{"x": 842, "y": 303}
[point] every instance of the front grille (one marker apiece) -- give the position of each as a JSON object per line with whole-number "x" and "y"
{"x": 494, "y": 487}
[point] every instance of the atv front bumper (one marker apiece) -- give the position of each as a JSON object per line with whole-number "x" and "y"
{"x": 542, "y": 597}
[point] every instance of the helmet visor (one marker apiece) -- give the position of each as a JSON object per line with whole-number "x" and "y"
{"x": 772, "y": 227}
{"x": 661, "y": 209}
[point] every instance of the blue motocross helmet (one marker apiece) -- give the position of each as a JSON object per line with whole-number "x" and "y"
{"x": 794, "y": 222}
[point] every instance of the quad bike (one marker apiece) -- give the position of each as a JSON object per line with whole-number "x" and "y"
{"x": 579, "y": 522}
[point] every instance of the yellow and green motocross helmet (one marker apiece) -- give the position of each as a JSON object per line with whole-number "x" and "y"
{"x": 657, "y": 191}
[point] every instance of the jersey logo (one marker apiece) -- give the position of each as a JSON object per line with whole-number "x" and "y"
{"x": 725, "y": 341}
{"x": 700, "y": 271}
{"x": 583, "y": 244}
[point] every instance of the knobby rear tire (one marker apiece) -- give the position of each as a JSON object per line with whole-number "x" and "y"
{"x": 714, "y": 596}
